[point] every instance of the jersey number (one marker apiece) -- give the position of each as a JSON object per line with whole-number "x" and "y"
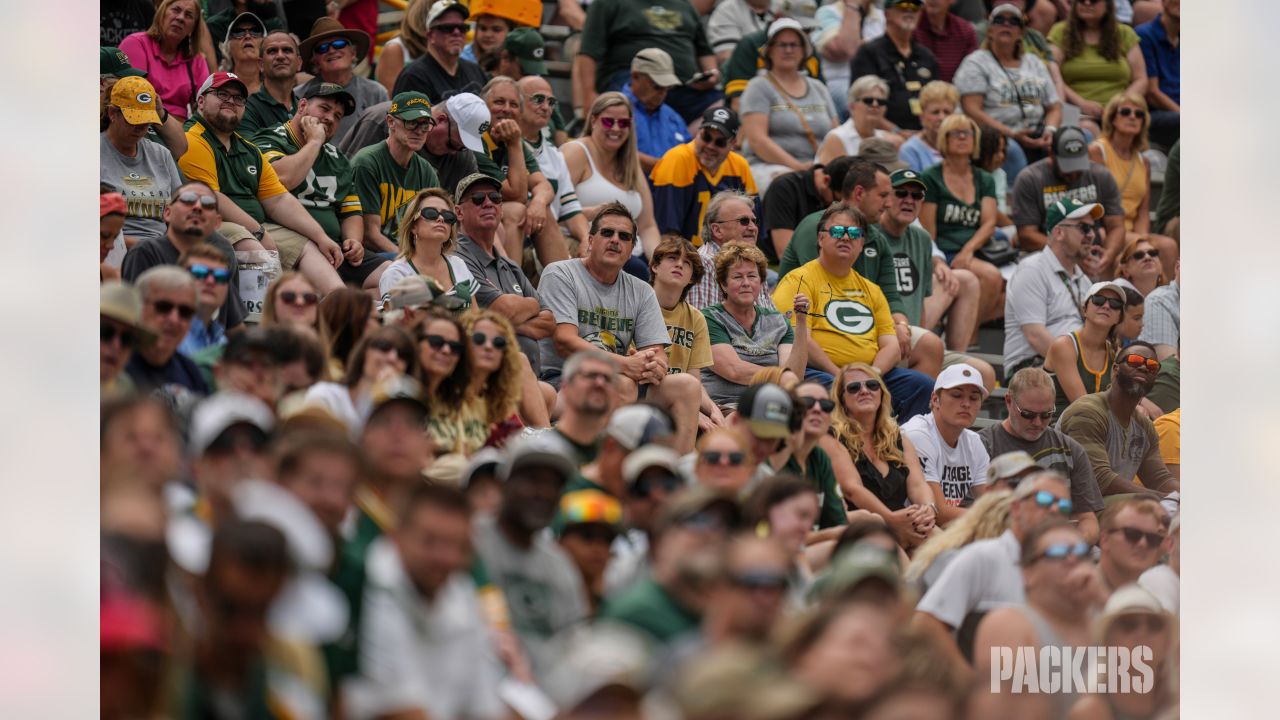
{"x": 320, "y": 191}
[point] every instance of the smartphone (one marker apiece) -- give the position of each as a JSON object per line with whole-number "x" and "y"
{"x": 704, "y": 75}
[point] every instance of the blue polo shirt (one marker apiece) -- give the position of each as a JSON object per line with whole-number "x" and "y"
{"x": 657, "y": 131}
{"x": 1162, "y": 58}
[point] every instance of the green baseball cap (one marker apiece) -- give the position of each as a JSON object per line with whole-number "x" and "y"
{"x": 113, "y": 61}
{"x": 526, "y": 45}
{"x": 905, "y": 176}
{"x": 1070, "y": 209}
{"x": 335, "y": 91}
{"x": 410, "y": 106}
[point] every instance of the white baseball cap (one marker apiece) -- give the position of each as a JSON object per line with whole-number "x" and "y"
{"x": 959, "y": 375}
{"x": 472, "y": 117}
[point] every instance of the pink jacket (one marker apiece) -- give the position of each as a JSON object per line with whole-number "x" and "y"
{"x": 172, "y": 82}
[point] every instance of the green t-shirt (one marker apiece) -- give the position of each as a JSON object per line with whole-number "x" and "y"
{"x": 957, "y": 221}
{"x": 912, "y": 265}
{"x": 1166, "y": 393}
{"x": 1091, "y": 75}
{"x": 803, "y": 248}
{"x": 328, "y": 192}
{"x": 262, "y": 111}
{"x": 616, "y": 30}
{"x": 384, "y": 187}
{"x": 342, "y": 656}
{"x": 647, "y": 606}
{"x": 494, "y": 163}
{"x": 818, "y": 470}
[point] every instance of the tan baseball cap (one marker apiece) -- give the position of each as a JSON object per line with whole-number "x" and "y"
{"x": 658, "y": 65}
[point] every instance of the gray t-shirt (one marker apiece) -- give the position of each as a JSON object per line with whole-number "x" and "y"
{"x": 612, "y": 317}
{"x": 1054, "y": 451}
{"x": 980, "y": 577}
{"x": 913, "y": 265}
{"x": 1017, "y": 97}
{"x": 785, "y": 127}
{"x": 364, "y": 91}
{"x": 1039, "y": 185}
{"x": 758, "y": 346}
{"x": 146, "y": 181}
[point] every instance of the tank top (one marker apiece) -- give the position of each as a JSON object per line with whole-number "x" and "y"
{"x": 1046, "y": 635}
{"x": 1130, "y": 176}
{"x": 597, "y": 189}
{"x": 1095, "y": 381}
{"x": 890, "y": 488}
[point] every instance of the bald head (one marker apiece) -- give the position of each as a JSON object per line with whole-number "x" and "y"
{"x": 534, "y": 116}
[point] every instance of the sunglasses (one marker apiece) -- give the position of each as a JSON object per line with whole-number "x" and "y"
{"x": 541, "y": 99}
{"x": 646, "y": 484}
{"x": 1030, "y": 415}
{"x": 623, "y": 235}
{"x": 734, "y": 458}
{"x": 1084, "y": 228}
{"x": 1133, "y": 536}
{"x": 229, "y": 97}
{"x": 221, "y": 276}
{"x": 1062, "y": 551}
{"x": 840, "y": 231}
{"x": 620, "y": 123}
{"x": 110, "y": 332}
{"x": 1129, "y": 623}
{"x": 432, "y": 214}
{"x": 1010, "y": 20}
{"x": 1135, "y": 112}
{"x": 962, "y": 134}
{"x": 305, "y": 299}
{"x": 824, "y": 404}
{"x": 498, "y": 342}
{"x": 451, "y": 28}
{"x": 1112, "y": 303}
{"x": 164, "y": 308}
{"x": 1138, "y": 362}
{"x": 436, "y": 342}
{"x": 759, "y": 580}
{"x": 208, "y": 202}
{"x": 1152, "y": 253}
{"x": 493, "y": 196}
{"x": 855, "y": 387}
{"x": 423, "y": 125}
{"x": 744, "y": 221}
{"x": 903, "y": 193}
{"x": 384, "y": 345}
{"x": 246, "y": 32}
{"x": 1045, "y": 499}
{"x": 335, "y": 44}
{"x": 592, "y": 533}
{"x": 712, "y": 139}
{"x": 873, "y": 102}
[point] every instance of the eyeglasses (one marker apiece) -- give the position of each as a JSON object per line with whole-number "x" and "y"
{"x": 1062, "y": 551}
{"x": 824, "y": 404}
{"x": 623, "y": 235}
{"x": 855, "y": 387}
{"x": 436, "y": 342}
{"x": 541, "y": 99}
{"x": 873, "y": 101}
{"x": 431, "y": 214}
{"x": 712, "y": 139}
{"x": 759, "y": 580}
{"x": 221, "y": 276}
{"x": 1045, "y": 499}
{"x": 335, "y": 44}
{"x": 305, "y": 299}
{"x": 164, "y": 308}
{"x": 228, "y": 97}
{"x": 1029, "y": 415}
{"x": 110, "y": 332}
{"x": 1010, "y": 20}
{"x": 840, "y": 231}
{"x": 1135, "y": 112}
{"x": 1152, "y": 253}
{"x": 1138, "y": 362}
{"x": 499, "y": 342}
{"x": 903, "y": 194}
{"x": 647, "y": 483}
{"x": 246, "y": 32}
{"x": 744, "y": 221}
{"x": 451, "y": 28}
{"x": 1133, "y": 536}
{"x": 478, "y": 198}
{"x": 620, "y": 123}
{"x": 1112, "y": 303}
{"x": 961, "y": 134}
{"x": 733, "y": 458}
{"x": 208, "y": 202}
{"x": 422, "y": 125}
{"x": 788, "y": 45}
{"x": 1129, "y": 623}
{"x": 384, "y": 345}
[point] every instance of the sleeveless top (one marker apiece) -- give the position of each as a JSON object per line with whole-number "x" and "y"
{"x": 1046, "y": 635}
{"x": 1131, "y": 177}
{"x": 1094, "y": 380}
{"x": 890, "y": 488}
{"x": 597, "y": 189}
{"x": 849, "y": 136}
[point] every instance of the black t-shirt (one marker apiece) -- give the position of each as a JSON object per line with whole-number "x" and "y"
{"x": 177, "y": 378}
{"x": 790, "y": 198}
{"x": 159, "y": 251}
{"x": 905, "y": 76}
{"x": 425, "y": 75}
{"x": 121, "y": 18}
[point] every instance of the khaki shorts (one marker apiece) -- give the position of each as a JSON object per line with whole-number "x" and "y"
{"x": 290, "y": 243}
{"x": 949, "y": 357}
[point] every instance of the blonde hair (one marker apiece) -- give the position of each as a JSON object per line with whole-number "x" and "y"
{"x": 736, "y": 436}
{"x": 1129, "y": 249}
{"x": 192, "y": 44}
{"x": 866, "y": 84}
{"x": 939, "y": 91}
{"x": 269, "y": 302}
{"x": 628, "y": 160}
{"x": 1113, "y": 107}
{"x": 413, "y": 27}
{"x": 958, "y": 122}
{"x": 502, "y": 389}
{"x": 1028, "y": 378}
{"x": 986, "y": 519}
{"x": 885, "y": 436}
{"x": 729, "y": 256}
{"x": 408, "y": 241}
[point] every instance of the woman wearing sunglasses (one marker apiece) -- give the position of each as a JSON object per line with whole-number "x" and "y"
{"x": 1133, "y": 619}
{"x": 428, "y": 236}
{"x": 868, "y": 98}
{"x": 380, "y": 355}
{"x": 291, "y": 299}
{"x": 724, "y": 462}
{"x": 1081, "y": 361}
{"x": 445, "y": 365}
{"x": 878, "y": 466}
{"x": 801, "y": 456}
{"x": 497, "y": 380}
{"x": 1140, "y": 265}
{"x": 1099, "y": 58}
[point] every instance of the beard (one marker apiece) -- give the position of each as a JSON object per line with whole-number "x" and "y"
{"x": 1132, "y": 386}
{"x": 223, "y": 123}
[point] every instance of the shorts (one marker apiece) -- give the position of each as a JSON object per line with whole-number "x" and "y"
{"x": 356, "y": 274}
{"x": 290, "y": 243}
{"x": 949, "y": 357}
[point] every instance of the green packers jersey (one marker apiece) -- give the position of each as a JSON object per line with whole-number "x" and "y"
{"x": 328, "y": 192}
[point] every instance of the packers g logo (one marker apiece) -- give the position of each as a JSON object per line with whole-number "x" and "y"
{"x": 849, "y": 316}
{"x": 144, "y": 98}
{"x": 252, "y": 170}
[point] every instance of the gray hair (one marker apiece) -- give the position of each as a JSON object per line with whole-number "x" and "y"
{"x": 716, "y": 204}
{"x": 497, "y": 80}
{"x": 865, "y": 84}
{"x": 164, "y": 277}
{"x": 574, "y": 364}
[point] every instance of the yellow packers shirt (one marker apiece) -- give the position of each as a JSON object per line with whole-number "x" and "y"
{"x": 690, "y": 348}
{"x": 847, "y": 315}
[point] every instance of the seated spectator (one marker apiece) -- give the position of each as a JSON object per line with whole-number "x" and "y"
{"x": 1039, "y": 305}
{"x": 1133, "y": 533}
{"x": 441, "y": 72}
{"x": 490, "y": 33}
{"x": 794, "y": 196}
{"x": 887, "y": 478}
{"x": 240, "y": 49}
{"x": 168, "y": 305}
{"x": 1134, "y": 620}
{"x": 409, "y": 44}
{"x": 1080, "y": 362}
{"x": 537, "y": 112}
{"x": 801, "y": 456}
{"x": 1027, "y": 428}
{"x": 321, "y": 178}
{"x": 750, "y": 596}
{"x": 1010, "y": 90}
{"x": 1120, "y": 148}
{"x": 861, "y": 183}
{"x": 724, "y": 462}
{"x": 1099, "y": 57}
{"x": 948, "y": 36}
{"x": 952, "y": 457}
{"x": 868, "y": 96}
{"x": 1160, "y": 326}
{"x": 111, "y": 214}
{"x": 519, "y": 56}
{"x": 1161, "y": 53}
{"x": 605, "y": 167}
{"x": 960, "y": 210}
{"x": 391, "y": 174}
{"x": 381, "y": 353}
{"x": 122, "y": 333}
{"x": 658, "y": 127}
{"x": 113, "y": 65}
{"x": 143, "y": 171}
{"x": 498, "y": 378}
{"x": 1094, "y": 419}
{"x": 291, "y": 300}
{"x": 1067, "y": 173}
{"x": 585, "y": 403}
{"x": 784, "y": 111}
{"x": 842, "y": 29}
{"x": 747, "y": 62}
{"x": 171, "y": 52}
{"x": 1168, "y": 208}
{"x": 784, "y": 509}
{"x": 733, "y": 19}
{"x": 689, "y": 175}
{"x": 615, "y": 31}
{"x": 900, "y": 61}
{"x": 428, "y": 237}
{"x": 331, "y": 52}
{"x": 274, "y": 102}
{"x": 937, "y": 101}
{"x": 457, "y": 424}
{"x": 1140, "y": 266}
{"x": 592, "y": 522}
{"x": 345, "y": 316}
{"x": 746, "y": 335}
{"x": 1162, "y": 581}
{"x": 208, "y": 267}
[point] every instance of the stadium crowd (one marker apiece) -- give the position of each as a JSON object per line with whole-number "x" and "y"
{"x": 681, "y": 359}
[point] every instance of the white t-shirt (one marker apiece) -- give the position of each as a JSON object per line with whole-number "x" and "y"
{"x": 463, "y": 281}
{"x": 957, "y": 468}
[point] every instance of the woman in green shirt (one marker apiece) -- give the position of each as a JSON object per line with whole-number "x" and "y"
{"x": 1099, "y": 58}
{"x": 959, "y": 210}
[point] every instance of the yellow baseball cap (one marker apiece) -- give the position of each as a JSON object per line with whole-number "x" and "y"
{"x": 136, "y": 98}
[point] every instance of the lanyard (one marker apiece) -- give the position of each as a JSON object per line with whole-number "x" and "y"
{"x": 1071, "y": 288}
